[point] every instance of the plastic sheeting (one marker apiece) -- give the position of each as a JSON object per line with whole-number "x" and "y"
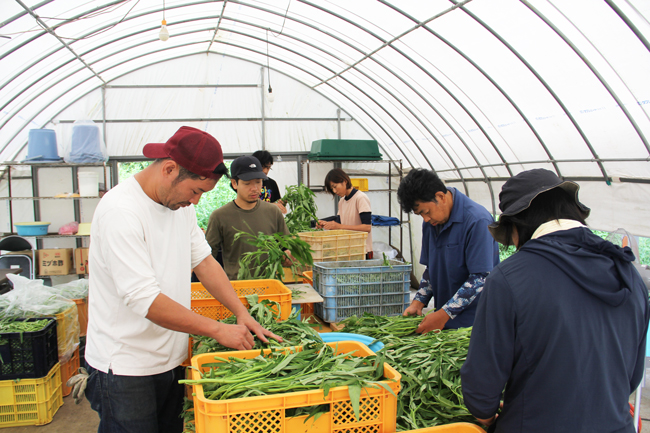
{"x": 478, "y": 90}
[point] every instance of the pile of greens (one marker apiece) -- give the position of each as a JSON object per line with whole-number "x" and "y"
{"x": 266, "y": 261}
{"x": 293, "y": 331}
{"x": 300, "y": 200}
{"x": 317, "y": 366}
{"x": 11, "y": 325}
{"x": 429, "y": 364}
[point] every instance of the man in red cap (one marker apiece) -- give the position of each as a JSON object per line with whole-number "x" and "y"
{"x": 145, "y": 241}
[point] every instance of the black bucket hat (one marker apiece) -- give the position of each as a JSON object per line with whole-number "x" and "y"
{"x": 520, "y": 190}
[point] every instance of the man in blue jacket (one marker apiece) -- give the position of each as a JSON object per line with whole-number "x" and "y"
{"x": 457, "y": 250}
{"x": 561, "y": 324}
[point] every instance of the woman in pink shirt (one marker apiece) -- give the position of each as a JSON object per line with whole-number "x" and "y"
{"x": 354, "y": 207}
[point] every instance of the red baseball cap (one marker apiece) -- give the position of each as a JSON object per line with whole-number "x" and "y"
{"x": 191, "y": 148}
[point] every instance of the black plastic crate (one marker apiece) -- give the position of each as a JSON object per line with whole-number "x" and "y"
{"x": 29, "y": 355}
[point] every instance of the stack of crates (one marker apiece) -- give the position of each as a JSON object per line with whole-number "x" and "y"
{"x": 362, "y": 286}
{"x": 30, "y": 382}
{"x": 67, "y": 330}
{"x": 69, "y": 368}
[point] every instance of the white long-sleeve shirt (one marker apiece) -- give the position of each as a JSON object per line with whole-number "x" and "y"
{"x": 138, "y": 249}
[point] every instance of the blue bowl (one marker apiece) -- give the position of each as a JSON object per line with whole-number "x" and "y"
{"x": 331, "y": 337}
{"x": 37, "y": 228}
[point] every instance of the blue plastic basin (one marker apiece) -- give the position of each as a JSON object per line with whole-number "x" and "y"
{"x": 331, "y": 337}
{"x": 37, "y": 228}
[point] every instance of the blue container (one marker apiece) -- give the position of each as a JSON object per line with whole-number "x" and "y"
{"x": 37, "y": 228}
{"x": 331, "y": 337}
{"x": 41, "y": 146}
{"x": 361, "y": 286}
{"x": 298, "y": 308}
{"x": 85, "y": 144}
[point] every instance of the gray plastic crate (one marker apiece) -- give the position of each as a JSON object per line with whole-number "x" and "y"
{"x": 360, "y": 286}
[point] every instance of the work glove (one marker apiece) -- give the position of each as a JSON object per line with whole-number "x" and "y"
{"x": 78, "y": 384}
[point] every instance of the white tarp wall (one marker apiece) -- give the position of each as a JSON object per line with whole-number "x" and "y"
{"x": 478, "y": 90}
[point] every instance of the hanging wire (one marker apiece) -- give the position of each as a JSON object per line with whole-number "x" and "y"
{"x": 103, "y": 11}
{"x": 163, "y": 10}
{"x": 283, "y": 22}
{"x": 268, "y": 69}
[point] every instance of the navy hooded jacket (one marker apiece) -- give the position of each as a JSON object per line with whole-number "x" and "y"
{"x": 561, "y": 326}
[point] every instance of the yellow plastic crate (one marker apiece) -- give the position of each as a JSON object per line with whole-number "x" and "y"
{"x": 336, "y": 245}
{"x": 204, "y": 304}
{"x": 360, "y": 183}
{"x": 67, "y": 331}
{"x": 30, "y": 401}
{"x": 459, "y": 427}
{"x": 378, "y": 407}
{"x": 69, "y": 369}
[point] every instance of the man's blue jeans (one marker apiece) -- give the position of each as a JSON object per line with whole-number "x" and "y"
{"x": 137, "y": 404}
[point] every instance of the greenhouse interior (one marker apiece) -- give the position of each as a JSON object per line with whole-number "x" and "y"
{"x": 324, "y": 215}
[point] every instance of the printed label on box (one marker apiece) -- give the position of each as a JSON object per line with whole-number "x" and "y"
{"x": 55, "y": 261}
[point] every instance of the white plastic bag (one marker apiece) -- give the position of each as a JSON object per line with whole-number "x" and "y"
{"x": 30, "y": 298}
{"x": 381, "y": 247}
{"x": 76, "y": 289}
{"x": 86, "y": 144}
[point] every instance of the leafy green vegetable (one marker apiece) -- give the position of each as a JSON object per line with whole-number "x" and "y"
{"x": 430, "y": 368}
{"x": 300, "y": 200}
{"x": 293, "y": 331}
{"x": 266, "y": 261}
{"x": 317, "y": 366}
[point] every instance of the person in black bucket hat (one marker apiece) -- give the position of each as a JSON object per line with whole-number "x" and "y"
{"x": 519, "y": 192}
{"x": 561, "y": 324}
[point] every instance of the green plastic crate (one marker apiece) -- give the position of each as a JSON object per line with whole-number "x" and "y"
{"x": 344, "y": 150}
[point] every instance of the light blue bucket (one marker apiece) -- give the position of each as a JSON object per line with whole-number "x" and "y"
{"x": 331, "y": 337}
{"x": 41, "y": 146}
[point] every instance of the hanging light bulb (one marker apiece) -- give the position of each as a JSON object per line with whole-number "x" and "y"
{"x": 164, "y": 33}
{"x": 270, "y": 96}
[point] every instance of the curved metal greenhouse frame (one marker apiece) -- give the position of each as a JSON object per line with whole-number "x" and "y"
{"x": 478, "y": 90}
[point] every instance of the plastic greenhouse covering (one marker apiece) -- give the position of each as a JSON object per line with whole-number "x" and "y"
{"x": 478, "y": 90}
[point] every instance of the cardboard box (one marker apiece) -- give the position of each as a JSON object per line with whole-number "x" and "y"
{"x": 55, "y": 261}
{"x": 81, "y": 260}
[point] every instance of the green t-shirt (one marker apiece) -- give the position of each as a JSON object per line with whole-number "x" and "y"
{"x": 224, "y": 223}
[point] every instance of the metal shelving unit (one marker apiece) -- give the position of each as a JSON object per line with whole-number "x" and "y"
{"x": 34, "y": 168}
{"x": 395, "y": 169}
{"x": 6, "y": 174}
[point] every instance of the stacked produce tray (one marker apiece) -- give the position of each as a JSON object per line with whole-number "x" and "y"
{"x": 69, "y": 369}
{"x": 29, "y": 354}
{"x": 336, "y": 245}
{"x": 30, "y": 401}
{"x": 268, "y": 413}
{"x": 204, "y": 304}
{"x": 356, "y": 287}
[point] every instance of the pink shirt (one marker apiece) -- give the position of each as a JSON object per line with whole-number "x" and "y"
{"x": 349, "y": 211}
